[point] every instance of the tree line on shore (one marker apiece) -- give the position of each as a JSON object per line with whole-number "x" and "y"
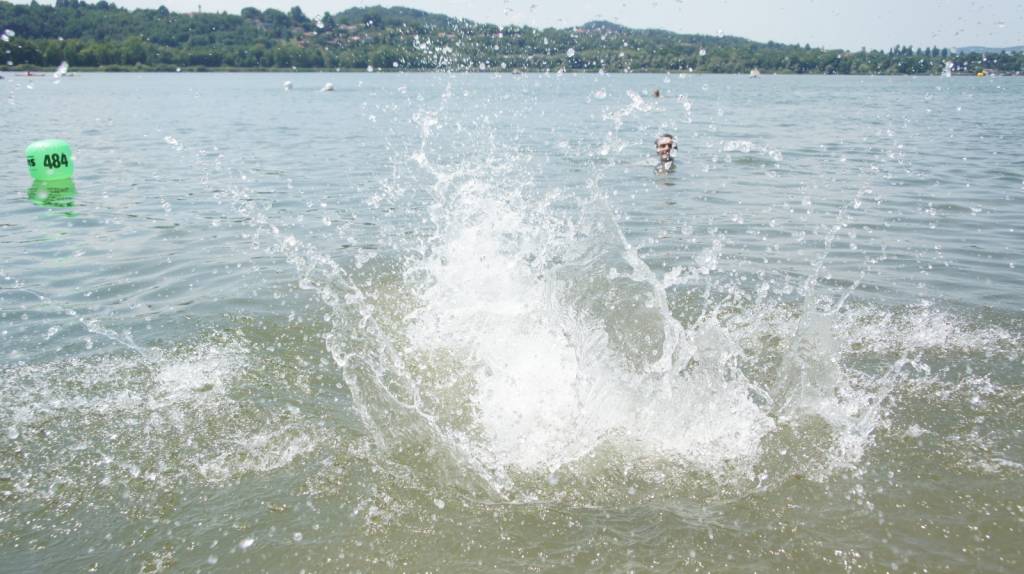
{"x": 105, "y": 36}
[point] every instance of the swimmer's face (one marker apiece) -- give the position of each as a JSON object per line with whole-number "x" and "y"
{"x": 664, "y": 148}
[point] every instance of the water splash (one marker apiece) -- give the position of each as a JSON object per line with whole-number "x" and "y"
{"x": 516, "y": 335}
{"x": 113, "y": 419}
{"x": 533, "y": 336}
{"x": 61, "y": 70}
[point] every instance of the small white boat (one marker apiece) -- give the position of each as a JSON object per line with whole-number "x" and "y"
{"x": 755, "y": 73}
{"x": 328, "y": 87}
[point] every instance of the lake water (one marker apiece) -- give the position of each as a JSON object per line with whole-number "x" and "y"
{"x": 455, "y": 323}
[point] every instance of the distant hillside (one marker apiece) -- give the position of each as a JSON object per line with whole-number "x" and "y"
{"x": 981, "y": 50}
{"x": 104, "y": 36}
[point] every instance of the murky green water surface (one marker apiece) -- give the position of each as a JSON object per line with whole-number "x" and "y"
{"x": 455, "y": 323}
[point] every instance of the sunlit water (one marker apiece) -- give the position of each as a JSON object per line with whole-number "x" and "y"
{"x": 456, "y": 323}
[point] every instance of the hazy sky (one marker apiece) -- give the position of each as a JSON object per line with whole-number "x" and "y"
{"x": 825, "y": 23}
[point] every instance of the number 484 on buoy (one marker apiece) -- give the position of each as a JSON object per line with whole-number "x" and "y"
{"x": 50, "y": 160}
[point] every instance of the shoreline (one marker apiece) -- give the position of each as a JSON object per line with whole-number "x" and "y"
{"x": 118, "y": 69}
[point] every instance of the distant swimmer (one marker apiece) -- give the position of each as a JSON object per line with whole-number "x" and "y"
{"x": 666, "y": 145}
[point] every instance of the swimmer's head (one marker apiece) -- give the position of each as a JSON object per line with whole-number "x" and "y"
{"x": 665, "y": 144}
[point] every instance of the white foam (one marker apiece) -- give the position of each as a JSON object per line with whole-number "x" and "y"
{"x": 561, "y": 368}
{"x": 747, "y": 147}
{"x": 257, "y": 453}
{"x": 170, "y": 412}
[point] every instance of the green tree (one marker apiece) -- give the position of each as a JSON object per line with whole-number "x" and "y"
{"x": 297, "y": 16}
